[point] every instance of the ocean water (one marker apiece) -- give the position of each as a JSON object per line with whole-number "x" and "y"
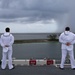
{"x": 36, "y": 50}
{"x": 19, "y": 36}
{"x": 41, "y": 50}
{"x": 50, "y": 50}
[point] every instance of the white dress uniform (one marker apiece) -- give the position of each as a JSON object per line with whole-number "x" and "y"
{"x": 7, "y": 39}
{"x": 65, "y": 37}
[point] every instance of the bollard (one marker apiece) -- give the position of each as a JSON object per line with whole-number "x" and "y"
{"x": 49, "y": 62}
{"x": 32, "y": 62}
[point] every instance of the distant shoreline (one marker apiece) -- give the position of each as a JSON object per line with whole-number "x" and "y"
{"x": 34, "y": 41}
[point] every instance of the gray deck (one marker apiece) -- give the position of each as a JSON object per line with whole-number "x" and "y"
{"x": 37, "y": 70}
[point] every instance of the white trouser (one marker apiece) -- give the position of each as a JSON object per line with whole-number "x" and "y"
{"x": 4, "y": 56}
{"x": 71, "y": 54}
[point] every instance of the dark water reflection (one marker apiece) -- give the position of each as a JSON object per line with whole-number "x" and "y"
{"x": 36, "y": 50}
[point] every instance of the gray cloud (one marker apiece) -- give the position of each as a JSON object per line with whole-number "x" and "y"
{"x": 36, "y": 10}
{"x": 20, "y": 8}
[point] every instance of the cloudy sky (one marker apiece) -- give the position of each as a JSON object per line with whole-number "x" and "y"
{"x": 37, "y": 16}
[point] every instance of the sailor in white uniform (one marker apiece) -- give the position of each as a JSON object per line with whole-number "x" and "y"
{"x": 7, "y": 40}
{"x": 67, "y": 39}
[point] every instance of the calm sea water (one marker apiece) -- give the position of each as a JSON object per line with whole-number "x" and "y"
{"x": 50, "y": 50}
{"x": 25, "y": 36}
{"x": 19, "y": 36}
{"x": 36, "y": 50}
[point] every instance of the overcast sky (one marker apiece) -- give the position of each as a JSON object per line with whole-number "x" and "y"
{"x": 37, "y": 16}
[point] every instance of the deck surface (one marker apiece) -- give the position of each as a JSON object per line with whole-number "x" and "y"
{"x": 37, "y": 70}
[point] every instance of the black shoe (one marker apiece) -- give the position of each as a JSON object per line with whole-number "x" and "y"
{"x": 61, "y": 68}
{"x": 73, "y": 68}
{"x": 13, "y": 67}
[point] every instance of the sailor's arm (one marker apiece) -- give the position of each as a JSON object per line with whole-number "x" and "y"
{"x": 61, "y": 40}
{"x": 73, "y": 41}
{"x": 1, "y": 41}
{"x": 11, "y": 40}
